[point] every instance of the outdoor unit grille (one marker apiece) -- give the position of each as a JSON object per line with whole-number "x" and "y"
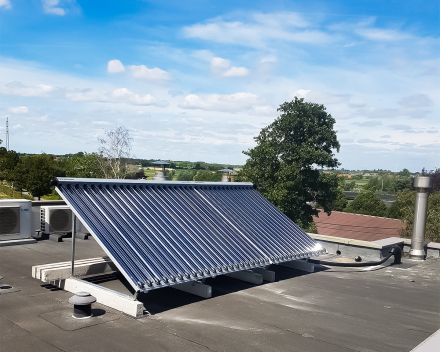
{"x": 10, "y": 220}
{"x": 56, "y": 219}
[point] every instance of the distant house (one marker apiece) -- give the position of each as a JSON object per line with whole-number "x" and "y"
{"x": 357, "y": 226}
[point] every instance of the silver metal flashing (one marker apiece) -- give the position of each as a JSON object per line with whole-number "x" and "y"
{"x": 67, "y": 180}
{"x": 166, "y": 233}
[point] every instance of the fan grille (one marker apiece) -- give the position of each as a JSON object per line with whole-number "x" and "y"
{"x": 60, "y": 220}
{"x": 9, "y": 221}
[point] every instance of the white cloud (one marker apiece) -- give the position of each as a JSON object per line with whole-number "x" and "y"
{"x": 381, "y": 34}
{"x": 115, "y": 66}
{"x": 263, "y": 110}
{"x": 291, "y": 19}
{"x": 42, "y": 118}
{"x": 18, "y": 88}
{"x": 217, "y": 102}
{"x": 17, "y": 126}
{"x": 218, "y": 63}
{"x": 369, "y": 123}
{"x": 264, "y": 28}
{"x": 51, "y": 7}
{"x": 402, "y": 127}
{"x": 120, "y": 95}
{"x": 222, "y": 67}
{"x": 324, "y": 98}
{"x": 268, "y": 58}
{"x": 149, "y": 74}
{"x": 5, "y": 3}
{"x": 415, "y": 100}
{"x": 301, "y": 93}
{"x": 18, "y": 110}
{"x": 236, "y": 72}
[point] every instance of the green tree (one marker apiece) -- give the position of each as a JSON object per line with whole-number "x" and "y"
{"x": 20, "y": 176}
{"x": 404, "y": 173}
{"x": 170, "y": 174}
{"x": 84, "y": 165}
{"x": 41, "y": 169}
{"x": 283, "y": 164}
{"x": 208, "y": 176}
{"x": 349, "y": 186}
{"x": 186, "y": 175}
{"x": 340, "y": 202}
{"x": 8, "y": 161}
{"x": 367, "y": 203}
{"x": 403, "y": 183}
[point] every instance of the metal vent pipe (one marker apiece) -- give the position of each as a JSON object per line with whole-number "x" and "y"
{"x": 226, "y": 175}
{"x": 421, "y": 184}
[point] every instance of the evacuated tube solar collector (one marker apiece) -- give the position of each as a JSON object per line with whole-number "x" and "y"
{"x": 164, "y": 233}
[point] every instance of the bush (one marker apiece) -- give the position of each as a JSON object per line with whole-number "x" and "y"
{"x": 186, "y": 175}
{"x": 208, "y": 176}
{"x": 367, "y": 203}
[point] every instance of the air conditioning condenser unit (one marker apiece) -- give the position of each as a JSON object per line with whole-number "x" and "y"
{"x": 15, "y": 219}
{"x": 56, "y": 219}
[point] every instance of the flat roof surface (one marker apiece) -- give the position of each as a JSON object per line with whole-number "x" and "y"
{"x": 385, "y": 308}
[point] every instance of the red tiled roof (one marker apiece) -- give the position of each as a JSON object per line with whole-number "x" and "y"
{"x": 356, "y": 226}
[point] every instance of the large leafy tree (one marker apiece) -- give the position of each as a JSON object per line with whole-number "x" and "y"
{"x": 40, "y": 169}
{"x": 283, "y": 164}
{"x": 84, "y": 165}
{"x": 8, "y": 160}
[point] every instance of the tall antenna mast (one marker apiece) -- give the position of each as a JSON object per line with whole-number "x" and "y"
{"x": 7, "y": 133}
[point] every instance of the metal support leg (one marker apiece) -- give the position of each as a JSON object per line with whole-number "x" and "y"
{"x": 73, "y": 243}
{"x": 135, "y": 296}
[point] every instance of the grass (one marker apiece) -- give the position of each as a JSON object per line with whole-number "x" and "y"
{"x": 7, "y": 192}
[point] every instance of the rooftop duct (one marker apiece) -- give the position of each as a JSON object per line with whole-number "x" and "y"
{"x": 421, "y": 184}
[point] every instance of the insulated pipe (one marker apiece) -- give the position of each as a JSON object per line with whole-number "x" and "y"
{"x": 396, "y": 251}
{"x": 421, "y": 184}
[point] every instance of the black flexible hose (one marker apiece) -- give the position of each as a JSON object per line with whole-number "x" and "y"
{"x": 396, "y": 251}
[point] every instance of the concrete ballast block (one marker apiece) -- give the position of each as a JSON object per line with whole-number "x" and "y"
{"x": 195, "y": 288}
{"x": 267, "y": 274}
{"x": 300, "y": 265}
{"x": 247, "y": 276}
{"x": 62, "y": 270}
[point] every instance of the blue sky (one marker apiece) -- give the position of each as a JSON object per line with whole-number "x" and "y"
{"x": 197, "y": 80}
